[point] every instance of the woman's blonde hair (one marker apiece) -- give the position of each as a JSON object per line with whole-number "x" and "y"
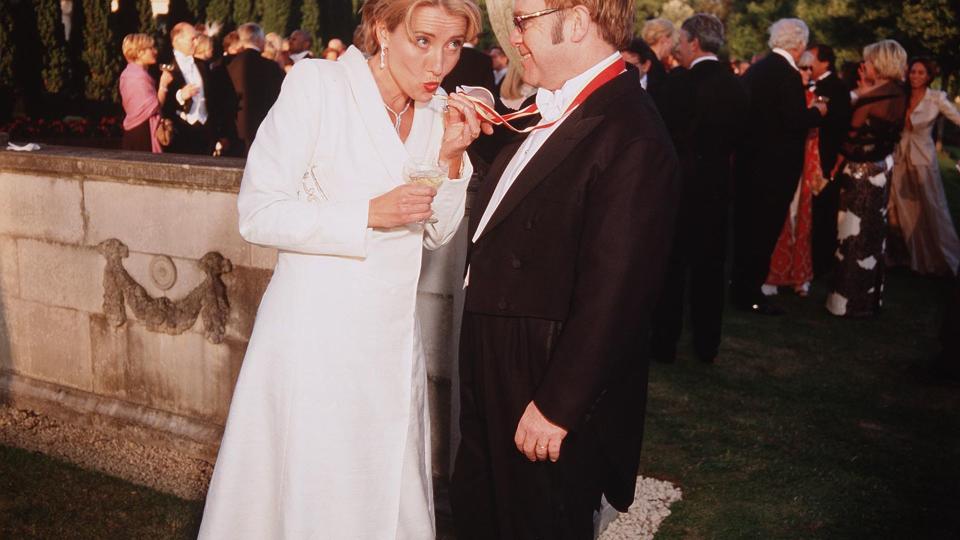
{"x": 134, "y": 44}
{"x": 204, "y": 47}
{"x": 392, "y": 13}
{"x": 656, "y": 29}
{"x": 889, "y": 59}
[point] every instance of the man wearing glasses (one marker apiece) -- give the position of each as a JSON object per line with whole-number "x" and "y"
{"x": 569, "y": 239}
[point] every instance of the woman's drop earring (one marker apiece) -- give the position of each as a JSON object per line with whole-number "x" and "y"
{"x": 383, "y": 56}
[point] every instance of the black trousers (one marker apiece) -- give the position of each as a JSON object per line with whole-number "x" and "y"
{"x": 761, "y": 203}
{"x": 824, "y": 232}
{"x": 949, "y": 359}
{"x": 496, "y": 493}
{"x": 191, "y": 138}
{"x": 697, "y": 259}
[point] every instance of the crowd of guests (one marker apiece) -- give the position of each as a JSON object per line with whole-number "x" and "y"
{"x": 202, "y": 103}
{"x": 829, "y": 175}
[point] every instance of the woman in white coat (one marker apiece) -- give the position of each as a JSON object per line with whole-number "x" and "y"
{"x": 919, "y": 216}
{"x": 328, "y": 431}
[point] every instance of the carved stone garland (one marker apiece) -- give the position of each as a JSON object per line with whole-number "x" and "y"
{"x": 208, "y": 300}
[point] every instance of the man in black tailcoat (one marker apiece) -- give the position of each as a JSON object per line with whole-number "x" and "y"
{"x": 704, "y": 107}
{"x": 256, "y": 82}
{"x": 834, "y": 128}
{"x": 568, "y": 242}
{"x": 770, "y": 160}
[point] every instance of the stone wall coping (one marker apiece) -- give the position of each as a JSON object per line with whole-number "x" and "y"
{"x": 172, "y": 170}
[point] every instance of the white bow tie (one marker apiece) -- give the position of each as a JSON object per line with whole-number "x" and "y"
{"x": 550, "y": 104}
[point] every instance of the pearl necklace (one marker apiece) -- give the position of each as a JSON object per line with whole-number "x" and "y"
{"x": 398, "y": 115}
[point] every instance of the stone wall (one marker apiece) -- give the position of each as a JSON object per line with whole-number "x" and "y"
{"x": 67, "y": 350}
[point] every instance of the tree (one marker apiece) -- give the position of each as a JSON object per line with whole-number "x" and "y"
{"x": 246, "y": 11}
{"x": 310, "y": 20}
{"x": 277, "y": 16}
{"x": 9, "y": 49}
{"x": 148, "y": 23}
{"x": 220, "y": 11}
{"x": 99, "y": 56}
{"x": 676, "y": 11}
{"x": 55, "y": 68}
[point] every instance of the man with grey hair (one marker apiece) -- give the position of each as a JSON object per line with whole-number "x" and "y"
{"x": 703, "y": 107}
{"x": 256, "y": 82}
{"x": 300, "y": 43}
{"x": 770, "y": 161}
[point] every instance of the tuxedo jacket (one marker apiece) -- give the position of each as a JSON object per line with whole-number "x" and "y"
{"x": 582, "y": 238}
{"x": 836, "y": 123}
{"x": 216, "y": 93}
{"x": 256, "y": 84}
{"x": 777, "y": 123}
{"x": 704, "y": 109}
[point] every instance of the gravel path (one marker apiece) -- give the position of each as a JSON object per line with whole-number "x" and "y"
{"x": 99, "y": 449}
{"x": 650, "y": 508}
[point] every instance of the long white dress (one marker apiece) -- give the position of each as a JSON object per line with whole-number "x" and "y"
{"x": 328, "y": 431}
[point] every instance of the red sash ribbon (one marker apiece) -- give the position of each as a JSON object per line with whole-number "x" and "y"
{"x": 489, "y": 114}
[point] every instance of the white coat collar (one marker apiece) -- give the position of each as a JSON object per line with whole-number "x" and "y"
{"x": 386, "y": 143}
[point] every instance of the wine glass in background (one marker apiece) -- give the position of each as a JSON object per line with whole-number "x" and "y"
{"x": 167, "y": 67}
{"x": 425, "y": 173}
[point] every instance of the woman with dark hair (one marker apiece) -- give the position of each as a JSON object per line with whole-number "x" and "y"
{"x": 864, "y": 178}
{"x": 919, "y": 217}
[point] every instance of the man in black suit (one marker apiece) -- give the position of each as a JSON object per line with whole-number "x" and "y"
{"x": 770, "y": 161}
{"x": 256, "y": 83}
{"x": 569, "y": 239}
{"x": 475, "y": 68}
{"x": 194, "y": 111}
{"x": 832, "y": 132}
{"x": 703, "y": 107}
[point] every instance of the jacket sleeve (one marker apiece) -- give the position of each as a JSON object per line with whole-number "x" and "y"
{"x": 794, "y": 113}
{"x": 948, "y": 109}
{"x": 448, "y": 208}
{"x": 271, "y": 211}
{"x": 628, "y": 223}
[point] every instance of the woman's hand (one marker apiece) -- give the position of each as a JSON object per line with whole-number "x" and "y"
{"x": 165, "y": 79}
{"x": 402, "y": 205}
{"x": 461, "y": 126}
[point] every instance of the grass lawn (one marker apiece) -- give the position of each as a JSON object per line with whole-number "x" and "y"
{"x": 809, "y": 427}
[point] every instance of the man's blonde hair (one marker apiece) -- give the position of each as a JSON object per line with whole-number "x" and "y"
{"x": 613, "y": 17}
{"x": 888, "y": 57}
{"x": 134, "y": 44}
{"x": 393, "y": 13}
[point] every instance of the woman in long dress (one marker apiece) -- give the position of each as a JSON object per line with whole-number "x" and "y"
{"x": 791, "y": 264}
{"x": 864, "y": 177}
{"x": 328, "y": 431}
{"x": 919, "y": 217}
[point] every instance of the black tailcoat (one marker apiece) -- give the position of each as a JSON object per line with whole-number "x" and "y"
{"x": 563, "y": 281}
{"x": 768, "y": 168}
{"x": 704, "y": 109}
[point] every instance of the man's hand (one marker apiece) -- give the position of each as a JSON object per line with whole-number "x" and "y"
{"x": 538, "y": 438}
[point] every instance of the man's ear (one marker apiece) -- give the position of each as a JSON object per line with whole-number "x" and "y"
{"x": 579, "y": 17}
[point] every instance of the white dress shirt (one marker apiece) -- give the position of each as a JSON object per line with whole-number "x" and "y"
{"x": 198, "y": 106}
{"x": 296, "y": 57}
{"x": 551, "y": 106}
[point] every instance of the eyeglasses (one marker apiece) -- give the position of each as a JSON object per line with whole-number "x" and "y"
{"x": 520, "y": 21}
{"x": 806, "y": 68}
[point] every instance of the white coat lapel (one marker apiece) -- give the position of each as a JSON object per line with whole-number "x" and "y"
{"x": 386, "y": 143}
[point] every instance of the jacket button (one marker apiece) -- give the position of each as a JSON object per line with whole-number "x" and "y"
{"x": 502, "y": 304}
{"x": 516, "y": 263}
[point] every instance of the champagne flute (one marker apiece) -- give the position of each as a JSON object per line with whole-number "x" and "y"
{"x": 425, "y": 173}
{"x": 167, "y": 67}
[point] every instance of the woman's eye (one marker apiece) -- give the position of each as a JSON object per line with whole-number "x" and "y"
{"x": 455, "y": 44}
{"x": 422, "y": 41}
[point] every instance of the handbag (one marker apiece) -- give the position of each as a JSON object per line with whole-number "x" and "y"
{"x": 164, "y": 131}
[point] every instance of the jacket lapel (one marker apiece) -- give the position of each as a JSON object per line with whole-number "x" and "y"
{"x": 386, "y": 143}
{"x": 560, "y": 143}
{"x": 563, "y": 141}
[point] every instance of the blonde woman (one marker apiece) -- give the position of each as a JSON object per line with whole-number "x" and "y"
{"x": 864, "y": 176}
{"x": 328, "y": 434}
{"x": 140, "y": 95}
